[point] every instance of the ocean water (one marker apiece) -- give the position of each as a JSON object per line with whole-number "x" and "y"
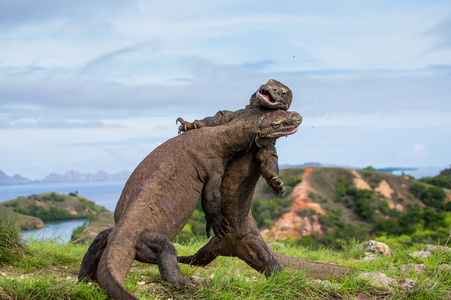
{"x": 105, "y": 193}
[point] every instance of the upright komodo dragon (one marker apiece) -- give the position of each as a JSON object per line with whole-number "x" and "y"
{"x": 240, "y": 178}
{"x": 161, "y": 195}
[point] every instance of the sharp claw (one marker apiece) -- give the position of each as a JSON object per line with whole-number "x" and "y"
{"x": 281, "y": 184}
{"x": 275, "y": 177}
{"x": 195, "y": 126}
{"x": 186, "y": 129}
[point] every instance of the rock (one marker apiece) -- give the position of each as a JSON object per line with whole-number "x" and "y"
{"x": 406, "y": 284}
{"x": 421, "y": 254}
{"x": 377, "y": 248}
{"x": 419, "y": 269}
{"x": 198, "y": 281}
{"x": 33, "y": 223}
{"x": 369, "y": 256}
{"x": 326, "y": 284}
{"x": 441, "y": 249}
{"x": 379, "y": 280}
{"x": 444, "y": 268}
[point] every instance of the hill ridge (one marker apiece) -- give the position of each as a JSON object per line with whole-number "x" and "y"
{"x": 68, "y": 176}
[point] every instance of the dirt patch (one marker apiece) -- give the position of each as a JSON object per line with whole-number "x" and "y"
{"x": 359, "y": 182}
{"x": 294, "y": 224}
{"x": 385, "y": 189}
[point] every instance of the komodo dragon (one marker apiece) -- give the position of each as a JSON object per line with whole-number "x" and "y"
{"x": 273, "y": 94}
{"x": 240, "y": 178}
{"x": 161, "y": 195}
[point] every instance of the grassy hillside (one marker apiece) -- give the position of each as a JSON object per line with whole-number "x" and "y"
{"x": 348, "y": 204}
{"x": 53, "y": 206}
{"x": 24, "y": 222}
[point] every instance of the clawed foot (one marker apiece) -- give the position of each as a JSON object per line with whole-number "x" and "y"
{"x": 194, "y": 282}
{"x": 220, "y": 226}
{"x": 185, "y": 126}
{"x": 277, "y": 186}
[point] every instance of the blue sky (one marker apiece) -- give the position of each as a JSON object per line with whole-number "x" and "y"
{"x": 98, "y": 85}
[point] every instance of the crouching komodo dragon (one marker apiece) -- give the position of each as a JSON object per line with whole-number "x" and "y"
{"x": 162, "y": 192}
{"x": 237, "y": 188}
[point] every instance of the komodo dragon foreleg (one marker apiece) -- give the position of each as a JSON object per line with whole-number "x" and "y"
{"x": 221, "y": 117}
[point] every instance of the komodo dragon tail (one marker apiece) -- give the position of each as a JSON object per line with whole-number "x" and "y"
{"x": 116, "y": 262}
{"x": 320, "y": 270}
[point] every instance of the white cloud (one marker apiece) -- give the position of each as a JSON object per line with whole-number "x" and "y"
{"x": 84, "y": 82}
{"x": 417, "y": 150}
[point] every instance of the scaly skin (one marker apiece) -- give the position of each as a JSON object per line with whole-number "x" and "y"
{"x": 240, "y": 178}
{"x": 161, "y": 195}
{"x": 271, "y": 95}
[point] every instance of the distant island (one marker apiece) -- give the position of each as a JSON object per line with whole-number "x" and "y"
{"x": 101, "y": 175}
{"x": 33, "y": 211}
{"x": 68, "y": 176}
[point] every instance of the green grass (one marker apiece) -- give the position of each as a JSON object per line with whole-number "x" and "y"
{"x": 48, "y": 270}
{"x": 11, "y": 246}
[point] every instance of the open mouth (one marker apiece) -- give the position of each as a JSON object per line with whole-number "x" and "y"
{"x": 264, "y": 93}
{"x": 284, "y": 132}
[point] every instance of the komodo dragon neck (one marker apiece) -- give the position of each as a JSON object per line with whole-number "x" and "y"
{"x": 249, "y": 125}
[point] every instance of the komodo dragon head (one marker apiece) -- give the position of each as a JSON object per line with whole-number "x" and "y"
{"x": 273, "y": 94}
{"x": 275, "y": 124}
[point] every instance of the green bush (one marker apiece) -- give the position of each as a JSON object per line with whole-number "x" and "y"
{"x": 290, "y": 181}
{"x": 442, "y": 180}
{"x": 77, "y": 233}
{"x": 266, "y": 212}
{"x": 52, "y": 197}
{"x": 430, "y": 196}
{"x": 50, "y": 213}
{"x": 363, "y": 201}
{"x": 12, "y": 204}
{"x": 369, "y": 169}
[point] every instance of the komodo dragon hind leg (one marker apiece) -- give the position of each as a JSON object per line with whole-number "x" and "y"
{"x": 157, "y": 248}
{"x": 90, "y": 262}
{"x": 151, "y": 248}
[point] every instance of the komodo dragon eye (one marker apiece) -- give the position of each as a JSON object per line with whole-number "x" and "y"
{"x": 276, "y": 125}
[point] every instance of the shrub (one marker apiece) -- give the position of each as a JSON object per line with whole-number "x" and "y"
{"x": 51, "y": 213}
{"x": 266, "y": 212}
{"x": 369, "y": 169}
{"x": 430, "y": 196}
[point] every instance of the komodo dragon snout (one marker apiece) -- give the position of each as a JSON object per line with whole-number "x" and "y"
{"x": 273, "y": 94}
{"x": 281, "y": 123}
